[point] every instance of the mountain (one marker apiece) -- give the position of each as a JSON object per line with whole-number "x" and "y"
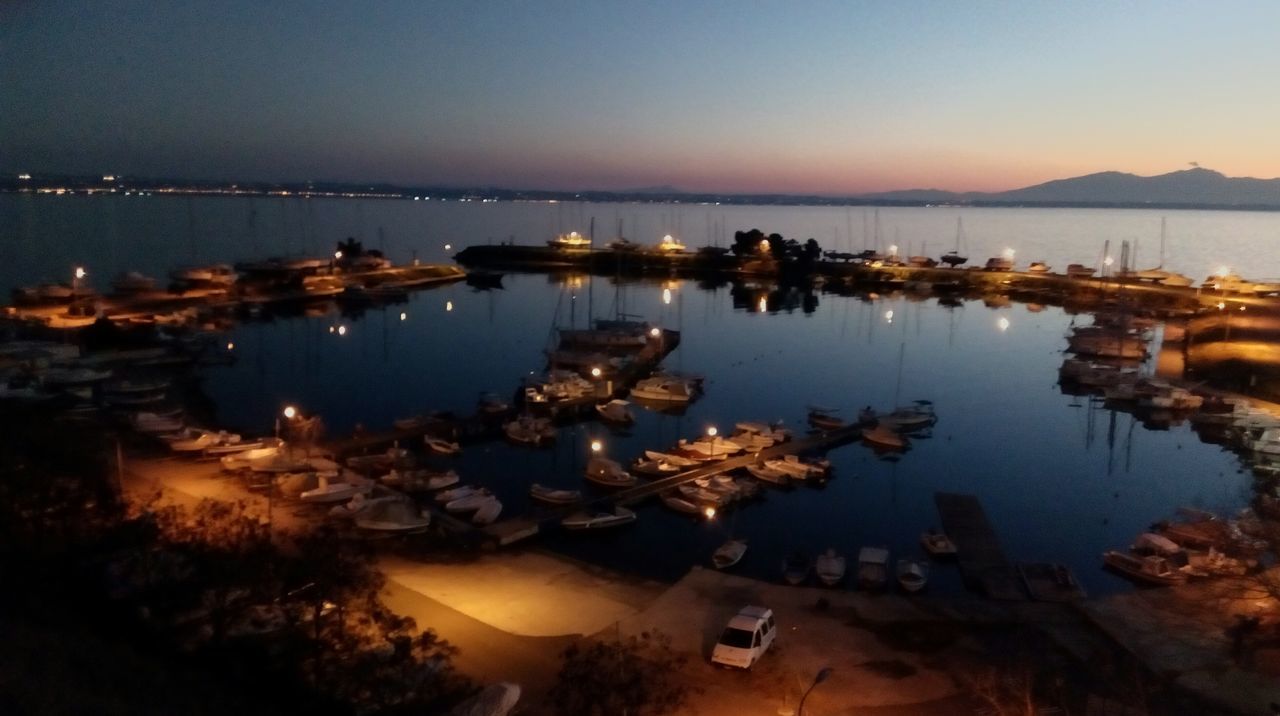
{"x": 1190, "y": 187}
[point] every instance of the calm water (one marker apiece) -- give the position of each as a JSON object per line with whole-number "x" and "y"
{"x": 1060, "y": 481}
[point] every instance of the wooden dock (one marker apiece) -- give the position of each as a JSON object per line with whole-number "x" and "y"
{"x": 982, "y": 561}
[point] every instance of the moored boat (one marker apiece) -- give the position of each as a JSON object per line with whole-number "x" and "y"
{"x": 937, "y": 544}
{"x": 599, "y": 520}
{"x": 795, "y": 568}
{"x": 830, "y": 567}
{"x": 441, "y": 446}
{"x": 553, "y": 496}
{"x": 873, "y": 569}
{"x": 913, "y": 574}
{"x": 1152, "y": 569}
{"x": 606, "y": 472}
{"x": 729, "y": 553}
{"x": 615, "y": 411}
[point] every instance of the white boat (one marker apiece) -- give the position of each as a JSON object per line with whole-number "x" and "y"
{"x": 469, "y": 503}
{"x": 333, "y": 491}
{"x": 823, "y": 419}
{"x": 769, "y": 474}
{"x": 712, "y": 446}
{"x": 242, "y": 460}
{"x": 441, "y": 447}
{"x": 795, "y": 467}
{"x": 599, "y": 520}
{"x": 487, "y": 512}
{"x": 360, "y": 504}
{"x": 393, "y": 516}
{"x": 570, "y": 241}
{"x": 603, "y": 471}
{"x": 911, "y": 417}
{"x": 729, "y": 553}
{"x": 456, "y": 493}
{"x": 656, "y": 468}
{"x": 937, "y": 544}
{"x": 616, "y": 411}
{"x": 873, "y": 569}
{"x": 830, "y": 567}
{"x": 553, "y": 496}
{"x": 912, "y": 574}
{"x": 676, "y": 460}
{"x": 677, "y": 502}
{"x": 665, "y": 389}
{"x": 702, "y": 495}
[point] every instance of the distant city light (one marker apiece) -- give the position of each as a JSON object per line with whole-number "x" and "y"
{"x": 764, "y": 304}
{"x": 342, "y": 330}
{"x": 231, "y": 346}
{"x": 403, "y": 315}
{"x": 1222, "y": 271}
{"x": 24, "y": 177}
{"x": 448, "y": 306}
{"x": 108, "y": 177}
{"x": 666, "y": 295}
{"x": 332, "y": 329}
{"x": 337, "y": 255}
{"x": 80, "y": 272}
{"x": 1108, "y": 261}
{"x": 893, "y": 249}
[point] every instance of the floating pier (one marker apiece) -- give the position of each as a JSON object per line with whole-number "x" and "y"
{"x": 982, "y": 561}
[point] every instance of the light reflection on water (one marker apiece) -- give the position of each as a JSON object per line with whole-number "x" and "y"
{"x": 1061, "y": 481}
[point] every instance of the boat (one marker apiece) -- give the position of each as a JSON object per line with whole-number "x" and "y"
{"x": 1038, "y": 267}
{"x": 670, "y": 245}
{"x": 490, "y": 404}
{"x": 800, "y": 468}
{"x": 953, "y": 257}
{"x": 913, "y": 574}
{"x": 603, "y": 471}
{"x": 729, "y": 553}
{"x": 598, "y": 520}
{"x": 1152, "y": 569}
{"x": 907, "y": 418}
{"x": 998, "y": 263}
{"x": 395, "y": 516}
{"x": 884, "y": 437}
{"x": 154, "y": 424}
{"x": 711, "y": 446}
{"x": 873, "y": 569}
{"x": 359, "y": 504}
{"x": 440, "y": 446}
{"x": 676, "y": 502}
{"x": 213, "y": 275}
{"x": 1080, "y": 271}
{"x": 469, "y": 502}
{"x": 937, "y": 544}
{"x": 1177, "y": 280}
{"x": 830, "y": 567}
{"x": 656, "y": 468}
{"x": 456, "y": 493}
{"x": 676, "y": 460}
{"x": 415, "y": 422}
{"x": 768, "y": 474}
{"x": 60, "y": 377}
{"x": 487, "y": 512}
{"x": 625, "y": 339}
{"x": 570, "y": 242}
{"x": 615, "y": 411}
{"x": 795, "y": 568}
{"x": 554, "y": 496}
{"x": 822, "y": 418}
{"x": 205, "y": 441}
{"x": 132, "y": 282}
{"x": 528, "y": 430}
{"x": 664, "y": 389}
{"x": 242, "y": 460}
{"x": 333, "y": 491}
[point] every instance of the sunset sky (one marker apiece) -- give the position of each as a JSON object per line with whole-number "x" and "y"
{"x": 840, "y": 97}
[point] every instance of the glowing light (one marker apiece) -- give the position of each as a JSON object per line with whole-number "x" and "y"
{"x": 342, "y": 330}
{"x": 108, "y": 177}
{"x": 888, "y": 316}
{"x": 709, "y": 512}
{"x": 403, "y": 315}
{"x": 655, "y": 332}
{"x": 1242, "y": 308}
{"x": 764, "y": 304}
{"x": 24, "y": 177}
{"x": 596, "y": 446}
{"x": 595, "y": 372}
{"x": 711, "y": 431}
{"x": 666, "y": 239}
{"x": 80, "y": 272}
{"x": 1003, "y": 323}
{"x": 1008, "y": 254}
{"x": 337, "y": 255}
{"x": 290, "y": 412}
{"x": 1108, "y": 261}
{"x": 1221, "y": 305}
{"x": 448, "y": 247}
{"x": 666, "y": 295}
{"x": 893, "y": 249}
{"x": 448, "y": 306}
{"x": 332, "y": 329}
{"x": 764, "y": 245}
{"x": 1222, "y": 272}
{"x": 231, "y": 346}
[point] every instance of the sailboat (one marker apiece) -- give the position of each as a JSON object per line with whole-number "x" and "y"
{"x": 953, "y": 257}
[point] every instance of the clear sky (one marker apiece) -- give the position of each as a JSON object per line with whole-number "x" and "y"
{"x": 739, "y": 96}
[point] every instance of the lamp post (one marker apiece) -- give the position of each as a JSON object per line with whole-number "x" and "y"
{"x": 821, "y": 676}
{"x": 711, "y": 433}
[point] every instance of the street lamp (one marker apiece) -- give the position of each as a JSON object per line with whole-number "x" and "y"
{"x": 822, "y": 676}
{"x": 711, "y": 433}
{"x": 709, "y": 512}
{"x": 596, "y": 446}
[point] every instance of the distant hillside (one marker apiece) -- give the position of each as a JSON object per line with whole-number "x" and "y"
{"x": 1198, "y": 187}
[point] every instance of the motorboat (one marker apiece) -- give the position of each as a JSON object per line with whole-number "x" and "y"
{"x": 413, "y": 422}
{"x": 456, "y": 493}
{"x": 440, "y": 446}
{"x": 490, "y": 404}
{"x": 469, "y": 502}
{"x": 873, "y": 567}
{"x": 1080, "y": 271}
{"x": 154, "y": 424}
{"x": 702, "y": 496}
{"x": 884, "y": 437}
{"x": 953, "y": 258}
{"x": 487, "y": 512}
{"x": 937, "y": 544}
{"x": 606, "y": 472}
{"x": 918, "y": 415}
{"x": 242, "y": 460}
{"x": 360, "y": 504}
{"x": 334, "y": 491}
{"x": 599, "y": 520}
{"x": 528, "y": 430}
{"x": 823, "y": 418}
{"x": 1038, "y": 267}
{"x": 676, "y": 460}
{"x": 913, "y": 574}
{"x": 799, "y": 468}
{"x": 1152, "y": 569}
{"x": 999, "y": 263}
{"x": 205, "y": 441}
{"x": 570, "y": 241}
{"x": 795, "y": 568}
{"x": 768, "y": 474}
{"x": 830, "y": 567}
{"x": 729, "y": 553}
{"x": 542, "y": 493}
{"x": 395, "y": 515}
{"x": 656, "y": 468}
{"x": 616, "y": 411}
{"x": 393, "y": 457}
{"x": 711, "y": 446}
{"x": 675, "y": 501}
{"x": 663, "y": 389}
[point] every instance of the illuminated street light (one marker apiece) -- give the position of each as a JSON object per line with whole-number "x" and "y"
{"x": 1222, "y": 305}
{"x": 709, "y": 512}
{"x": 337, "y": 255}
{"x": 448, "y": 247}
{"x": 764, "y": 245}
{"x": 666, "y": 296}
{"x": 231, "y": 346}
{"x": 342, "y": 330}
{"x": 403, "y": 315}
{"x": 655, "y": 332}
{"x": 448, "y": 306}
{"x": 290, "y": 412}
{"x": 332, "y": 328}
{"x": 595, "y": 372}
{"x": 711, "y": 431}
{"x": 1108, "y": 261}
{"x": 1003, "y": 323}
{"x": 888, "y": 316}
{"x": 596, "y": 446}
{"x": 80, "y": 272}
{"x": 764, "y": 304}
{"x": 1222, "y": 272}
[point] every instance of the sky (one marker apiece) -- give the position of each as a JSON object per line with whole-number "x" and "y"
{"x": 744, "y": 96}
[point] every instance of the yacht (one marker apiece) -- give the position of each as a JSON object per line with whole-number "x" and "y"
{"x": 664, "y": 389}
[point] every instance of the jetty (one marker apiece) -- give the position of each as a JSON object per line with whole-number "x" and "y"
{"x": 982, "y": 562}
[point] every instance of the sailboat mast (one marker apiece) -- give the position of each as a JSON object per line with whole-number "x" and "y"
{"x": 897, "y": 388}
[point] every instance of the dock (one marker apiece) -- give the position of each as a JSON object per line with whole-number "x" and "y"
{"x": 982, "y": 562}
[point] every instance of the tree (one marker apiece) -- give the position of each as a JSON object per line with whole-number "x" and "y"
{"x": 636, "y": 676}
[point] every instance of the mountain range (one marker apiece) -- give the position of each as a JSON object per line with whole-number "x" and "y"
{"x": 1192, "y": 187}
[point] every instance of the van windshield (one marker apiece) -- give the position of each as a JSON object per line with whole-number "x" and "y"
{"x": 737, "y": 638}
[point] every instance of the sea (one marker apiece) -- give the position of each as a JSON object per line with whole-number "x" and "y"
{"x": 1061, "y": 477}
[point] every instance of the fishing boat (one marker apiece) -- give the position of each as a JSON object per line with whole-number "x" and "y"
{"x": 830, "y": 567}
{"x": 572, "y": 241}
{"x": 913, "y": 574}
{"x": 599, "y": 520}
{"x": 615, "y": 411}
{"x": 937, "y": 544}
{"x": 795, "y": 568}
{"x": 333, "y": 491}
{"x": 873, "y": 569}
{"x": 663, "y": 389}
{"x": 542, "y": 493}
{"x": 772, "y": 475}
{"x": 606, "y": 472}
{"x": 729, "y": 553}
{"x": 1152, "y": 569}
{"x": 675, "y": 501}
{"x": 487, "y": 512}
{"x": 884, "y": 437}
{"x": 440, "y": 446}
{"x": 395, "y": 516}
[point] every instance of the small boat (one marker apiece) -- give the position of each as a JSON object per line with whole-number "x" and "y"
{"x": 359, "y": 504}
{"x": 205, "y": 442}
{"x": 335, "y": 491}
{"x": 796, "y": 468}
{"x": 1038, "y": 267}
{"x": 676, "y": 460}
{"x": 59, "y": 377}
{"x": 154, "y": 424}
{"x": 1152, "y": 569}
{"x": 1079, "y": 271}
{"x": 487, "y": 512}
{"x": 603, "y": 471}
{"x": 242, "y": 460}
{"x": 656, "y": 468}
{"x": 883, "y": 437}
{"x": 873, "y": 567}
{"x": 999, "y": 263}
{"x": 441, "y": 447}
{"x": 769, "y": 474}
{"x": 552, "y": 496}
{"x": 490, "y": 404}
{"x": 665, "y": 389}
{"x": 795, "y": 568}
{"x": 616, "y": 411}
{"x": 910, "y": 417}
{"x": 456, "y": 493}
{"x": 471, "y": 502}
{"x": 912, "y": 574}
{"x": 484, "y": 279}
{"x": 729, "y": 553}
{"x": 528, "y": 430}
{"x": 599, "y": 520}
{"x": 393, "y": 516}
{"x": 214, "y": 275}
{"x": 711, "y": 447}
{"x": 830, "y": 567}
{"x": 937, "y": 544}
{"x": 822, "y": 418}
{"x": 413, "y": 422}
{"x": 676, "y": 502}
{"x": 670, "y": 245}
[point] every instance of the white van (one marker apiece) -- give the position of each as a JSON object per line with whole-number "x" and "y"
{"x": 746, "y": 638}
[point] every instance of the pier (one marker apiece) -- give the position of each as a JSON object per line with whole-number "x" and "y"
{"x": 982, "y": 561}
